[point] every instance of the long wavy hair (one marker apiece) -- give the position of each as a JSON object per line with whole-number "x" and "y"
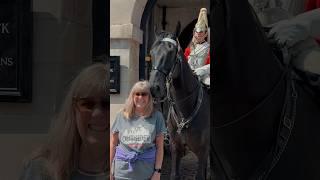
{"x": 62, "y": 149}
{"x": 129, "y": 106}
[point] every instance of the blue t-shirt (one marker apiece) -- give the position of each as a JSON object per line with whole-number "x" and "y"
{"x": 37, "y": 169}
{"x": 136, "y": 134}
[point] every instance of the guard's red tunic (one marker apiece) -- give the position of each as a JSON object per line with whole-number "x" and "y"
{"x": 187, "y": 53}
{"x": 310, "y": 5}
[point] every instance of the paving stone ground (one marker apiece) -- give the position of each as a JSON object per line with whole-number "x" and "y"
{"x": 188, "y": 169}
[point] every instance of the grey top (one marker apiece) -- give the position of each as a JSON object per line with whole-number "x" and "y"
{"x": 137, "y": 134}
{"x": 36, "y": 169}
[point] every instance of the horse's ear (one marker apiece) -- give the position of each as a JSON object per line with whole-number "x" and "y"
{"x": 178, "y": 27}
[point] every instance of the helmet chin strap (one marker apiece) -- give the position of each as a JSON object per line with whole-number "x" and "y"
{"x": 196, "y": 41}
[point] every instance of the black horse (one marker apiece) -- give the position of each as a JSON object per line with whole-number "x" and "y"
{"x": 266, "y": 122}
{"x": 188, "y": 123}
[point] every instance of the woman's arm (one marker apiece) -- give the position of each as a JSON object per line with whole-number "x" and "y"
{"x": 114, "y": 141}
{"x": 159, "y": 156}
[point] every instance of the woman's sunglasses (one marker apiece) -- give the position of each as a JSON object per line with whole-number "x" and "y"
{"x": 141, "y": 94}
{"x": 88, "y": 104}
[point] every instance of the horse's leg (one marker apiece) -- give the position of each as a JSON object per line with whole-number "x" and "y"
{"x": 201, "y": 149}
{"x": 202, "y": 164}
{"x": 173, "y": 150}
{"x": 176, "y": 155}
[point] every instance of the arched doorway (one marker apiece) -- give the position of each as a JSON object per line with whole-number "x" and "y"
{"x": 164, "y": 14}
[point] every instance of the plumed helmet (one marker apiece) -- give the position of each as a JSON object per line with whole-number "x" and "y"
{"x": 202, "y": 23}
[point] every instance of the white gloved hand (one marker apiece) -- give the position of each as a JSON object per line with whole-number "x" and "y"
{"x": 288, "y": 32}
{"x": 200, "y": 72}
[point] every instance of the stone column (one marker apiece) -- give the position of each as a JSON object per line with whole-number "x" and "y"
{"x": 125, "y": 40}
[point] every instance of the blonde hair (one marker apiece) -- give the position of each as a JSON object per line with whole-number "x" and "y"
{"x": 129, "y": 107}
{"x": 62, "y": 149}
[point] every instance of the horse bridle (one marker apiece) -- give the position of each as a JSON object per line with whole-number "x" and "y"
{"x": 168, "y": 75}
{"x": 172, "y": 110}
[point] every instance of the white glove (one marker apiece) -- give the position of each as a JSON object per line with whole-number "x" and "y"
{"x": 204, "y": 70}
{"x": 200, "y": 72}
{"x": 298, "y": 28}
{"x": 289, "y": 32}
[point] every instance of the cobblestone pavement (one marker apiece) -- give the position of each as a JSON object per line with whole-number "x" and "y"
{"x": 188, "y": 168}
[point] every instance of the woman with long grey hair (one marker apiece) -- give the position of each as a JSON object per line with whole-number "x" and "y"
{"x": 77, "y": 144}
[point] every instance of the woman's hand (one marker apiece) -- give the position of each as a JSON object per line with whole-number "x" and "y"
{"x": 155, "y": 176}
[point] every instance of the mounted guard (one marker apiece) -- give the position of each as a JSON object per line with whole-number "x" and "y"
{"x": 198, "y": 52}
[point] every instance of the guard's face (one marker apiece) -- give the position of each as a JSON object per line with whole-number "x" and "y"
{"x": 200, "y": 36}
{"x": 91, "y": 117}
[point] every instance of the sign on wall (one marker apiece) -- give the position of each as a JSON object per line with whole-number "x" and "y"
{"x": 15, "y": 50}
{"x": 114, "y": 74}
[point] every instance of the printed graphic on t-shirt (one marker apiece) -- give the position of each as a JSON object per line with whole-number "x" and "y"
{"x": 135, "y": 137}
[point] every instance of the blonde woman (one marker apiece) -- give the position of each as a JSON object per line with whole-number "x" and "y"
{"x": 137, "y": 134}
{"x": 77, "y": 145}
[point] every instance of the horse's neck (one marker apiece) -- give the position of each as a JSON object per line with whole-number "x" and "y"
{"x": 184, "y": 89}
{"x": 244, "y": 97}
{"x": 245, "y": 69}
{"x": 245, "y": 65}
{"x": 183, "y": 79}
{"x": 245, "y": 74}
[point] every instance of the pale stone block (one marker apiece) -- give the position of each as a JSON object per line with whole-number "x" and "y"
{"x": 138, "y": 10}
{"x": 126, "y": 31}
{"x": 119, "y": 44}
{"x": 121, "y": 11}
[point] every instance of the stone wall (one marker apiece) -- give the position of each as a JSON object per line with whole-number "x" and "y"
{"x": 125, "y": 39}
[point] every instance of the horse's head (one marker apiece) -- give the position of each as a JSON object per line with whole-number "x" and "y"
{"x": 163, "y": 54}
